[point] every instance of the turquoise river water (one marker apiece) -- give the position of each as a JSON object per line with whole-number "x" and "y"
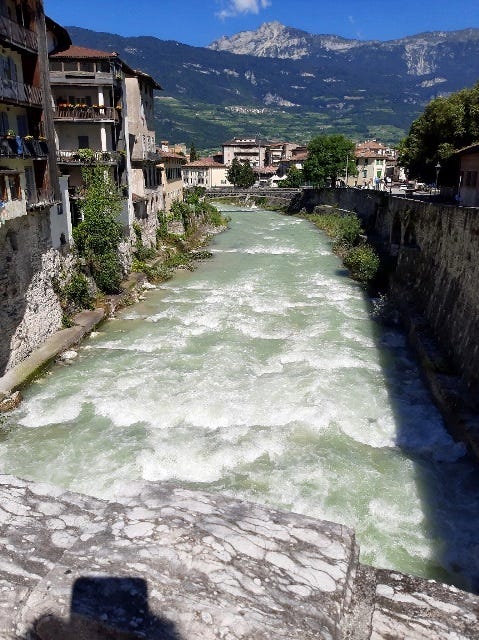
{"x": 262, "y": 375}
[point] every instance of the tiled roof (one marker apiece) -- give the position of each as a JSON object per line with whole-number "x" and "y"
{"x": 82, "y": 52}
{"x": 169, "y": 155}
{"x": 205, "y": 162}
{"x": 265, "y": 170}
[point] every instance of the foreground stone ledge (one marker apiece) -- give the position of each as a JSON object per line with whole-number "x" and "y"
{"x": 167, "y": 562}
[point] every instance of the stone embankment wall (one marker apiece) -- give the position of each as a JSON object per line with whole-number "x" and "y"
{"x": 166, "y": 562}
{"x": 29, "y": 308}
{"x": 434, "y": 248}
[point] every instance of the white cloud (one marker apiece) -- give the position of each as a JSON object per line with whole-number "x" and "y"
{"x": 236, "y": 7}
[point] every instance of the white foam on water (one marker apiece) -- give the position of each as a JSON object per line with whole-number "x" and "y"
{"x": 261, "y": 376}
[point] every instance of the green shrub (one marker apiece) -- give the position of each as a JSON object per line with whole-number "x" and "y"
{"x": 107, "y": 272}
{"x": 363, "y": 262}
{"x": 77, "y": 292}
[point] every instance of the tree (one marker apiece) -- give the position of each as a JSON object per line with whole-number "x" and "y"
{"x": 247, "y": 177}
{"x": 294, "y": 178}
{"x": 193, "y": 153}
{"x": 447, "y": 124}
{"x": 327, "y": 159}
{"x": 234, "y": 172}
{"x": 99, "y": 234}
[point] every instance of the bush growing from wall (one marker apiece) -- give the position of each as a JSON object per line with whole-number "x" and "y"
{"x": 99, "y": 234}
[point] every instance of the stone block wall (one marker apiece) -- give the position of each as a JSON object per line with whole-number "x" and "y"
{"x": 437, "y": 270}
{"x": 29, "y": 308}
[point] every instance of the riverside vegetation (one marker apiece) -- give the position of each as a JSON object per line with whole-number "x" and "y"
{"x": 348, "y": 242}
{"x": 98, "y": 268}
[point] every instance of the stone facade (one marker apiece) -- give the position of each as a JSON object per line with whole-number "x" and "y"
{"x": 163, "y": 562}
{"x": 30, "y": 310}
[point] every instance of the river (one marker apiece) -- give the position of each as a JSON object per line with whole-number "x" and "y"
{"x": 262, "y": 375}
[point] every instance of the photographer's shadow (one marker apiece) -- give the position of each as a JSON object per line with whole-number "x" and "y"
{"x": 104, "y": 608}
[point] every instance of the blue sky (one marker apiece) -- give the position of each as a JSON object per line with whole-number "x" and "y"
{"x": 199, "y": 22}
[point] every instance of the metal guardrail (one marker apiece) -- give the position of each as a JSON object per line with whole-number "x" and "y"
{"x": 17, "y": 34}
{"x": 87, "y": 156}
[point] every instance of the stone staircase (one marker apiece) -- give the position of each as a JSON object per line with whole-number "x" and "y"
{"x": 168, "y": 563}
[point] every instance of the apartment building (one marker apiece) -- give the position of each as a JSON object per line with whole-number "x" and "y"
{"x": 89, "y": 113}
{"x": 28, "y": 172}
{"x": 246, "y": 149}
{"x": 145, "y": 162}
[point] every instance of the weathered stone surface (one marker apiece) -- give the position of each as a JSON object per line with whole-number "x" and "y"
{"x": 171, "y": 563}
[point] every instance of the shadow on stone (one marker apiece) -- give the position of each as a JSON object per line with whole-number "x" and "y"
{"x": 106, "y": 607}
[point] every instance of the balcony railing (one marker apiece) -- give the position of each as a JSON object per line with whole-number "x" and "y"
{"x": 39, "y": 198}
{"x": 88, "y": 156}
{"x": 20, "y": 93}
{"x": 28, "y": 147}
{"x": 82, "y": 114}
{"x": 17, "y": 35}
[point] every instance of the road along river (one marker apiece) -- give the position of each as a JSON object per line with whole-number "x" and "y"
{"x": 262, "y": 375}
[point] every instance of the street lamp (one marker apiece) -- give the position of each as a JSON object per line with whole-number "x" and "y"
{"x": 438, "y": 168}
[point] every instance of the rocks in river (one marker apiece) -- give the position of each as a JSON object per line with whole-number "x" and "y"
{"x": 68, "y": 356}
{"x": 8, "y": 403}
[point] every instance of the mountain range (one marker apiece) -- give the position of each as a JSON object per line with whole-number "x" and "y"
{"x": 283, "y": 83}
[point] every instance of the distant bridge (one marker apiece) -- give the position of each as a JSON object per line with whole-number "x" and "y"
{"x": 254, "y": 192}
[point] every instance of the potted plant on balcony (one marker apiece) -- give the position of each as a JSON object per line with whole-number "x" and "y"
{"x": 12, "y": 142}
{"x": 86, "y": 156}
{"x": 43, "y": 146}
{"x": 28, "y": 146}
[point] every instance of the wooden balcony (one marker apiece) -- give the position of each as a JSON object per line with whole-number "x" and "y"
{"x": 15, "y": 34}
{"x": 81, "y": 78}
{"x": 85, "y": 114}
{"x": 28, "y": 147}
{"x": 20, "y": 93}
{"x": 88, "y": 156}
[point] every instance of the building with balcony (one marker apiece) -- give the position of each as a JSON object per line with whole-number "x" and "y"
{"x": 144, "y": 160}
{"x": 246, "y": 149}
{"x": 28, "y": 171}
{"x": 90, "y": 117}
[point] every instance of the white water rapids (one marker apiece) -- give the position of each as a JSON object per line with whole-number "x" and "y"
{"x": 262, "y": 375}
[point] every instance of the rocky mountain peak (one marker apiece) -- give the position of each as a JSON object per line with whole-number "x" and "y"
{"x": 275, "y": 40}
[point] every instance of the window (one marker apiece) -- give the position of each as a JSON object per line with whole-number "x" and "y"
{"x": 87, "y": 66}
{"x": 56, "y": 65}
{"x": 103, "y": 66}
{"x": 22, "y": 125}
{"x": 4, "y": 127}
{"x": 83, "y": 142}
{"x": 70, "y": 65}
{"x": 14, "y": 185}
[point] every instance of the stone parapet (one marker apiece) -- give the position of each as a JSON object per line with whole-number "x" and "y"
{"x": 167, "y": 562}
